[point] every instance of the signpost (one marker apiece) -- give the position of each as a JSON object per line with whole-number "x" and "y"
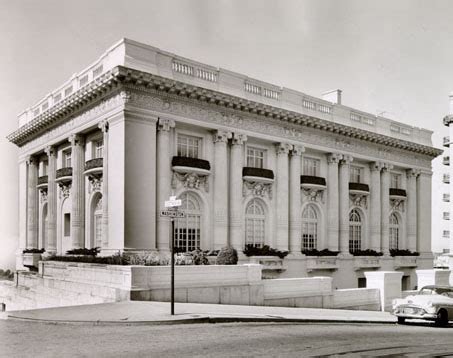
{"x": 172, "y": 213}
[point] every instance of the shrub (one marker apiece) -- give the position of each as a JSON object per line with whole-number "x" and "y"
{"x": 211, "y": 252}
{"x": 251, "y": 250}
{"x": 324, "y": 252}
{"x": 227, "y": 256}
{"x": 116, "y": 259}
{"x": 403, "y": 252}
{"x": 199, "y": 257}
{"x": 6, "y": 275}
{"x": 366, "y": 252}
{"x": 88, "y": 252}
{"x": 33, "y": 251}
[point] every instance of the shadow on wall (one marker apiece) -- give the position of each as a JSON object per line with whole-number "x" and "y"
{"x": 8, "y": 247}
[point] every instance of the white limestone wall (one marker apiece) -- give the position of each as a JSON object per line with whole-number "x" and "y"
{"x": 357, "y": 299}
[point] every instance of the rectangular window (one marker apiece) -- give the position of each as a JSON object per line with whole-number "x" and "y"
{"x": 188, "y": 146}
{"x": 255, "y": 157}
{"x": 355, "y": 174}
{"x": 67, "y": 224}
{"x": 446, "y": 234}
{"x": 395, "y": 181}
{"x": 98, "y": 149}
{"x": 446, "y": 197}
{"x": 311, "y": 167}
{"x": 44, "y": 168}
{"x": 446, "y": 215}
{"x": 67, "y": 159}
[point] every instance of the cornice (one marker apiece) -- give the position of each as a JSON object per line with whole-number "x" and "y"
{"x": 128, "y": 78}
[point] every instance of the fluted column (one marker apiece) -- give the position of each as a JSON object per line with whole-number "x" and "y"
{"x": 282, "y": 195}
{"x": 332, "y": 201}
{"x": 221, "y": 189}
{"x": 51, "y": 200}
{"x": 385, "y": 207}
{"x": 344, "y": 203}
{"x": 236, "y": 209}
{"x": 295, "y": 218}
{"x": 411, "y": 201}
{"x": 375, "y": 206}
{"x": 424, "y": 212}
{"x": 78, "y": 191}
{"x": 164, "y": 127}
{"x": 32, "y": 203}
{"x": 104, "y": 126}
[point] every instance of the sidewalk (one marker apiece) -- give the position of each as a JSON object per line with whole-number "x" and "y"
{"x": 148, "y": 313}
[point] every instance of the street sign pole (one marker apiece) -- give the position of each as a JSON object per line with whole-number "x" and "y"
{"x": 172, "y": 246}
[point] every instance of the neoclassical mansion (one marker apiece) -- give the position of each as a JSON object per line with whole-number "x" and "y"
{"x": 252, "y": 162}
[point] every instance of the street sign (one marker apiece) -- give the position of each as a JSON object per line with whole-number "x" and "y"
{"x": 173, "y": 202}
{"x": 172, "y": 214}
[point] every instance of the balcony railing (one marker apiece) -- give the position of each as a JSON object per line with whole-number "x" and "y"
{"x": 64, "y": 173}
{"x": 396, "y": 193}
{"x": 446, "y": 141}
{"x": 42, "y": 181}
{"x": 446, "y": 160}
{"x": 191, "y": 165}
{"x": 312, "y": 182}
{"x": 258, "y": 174}
{"x": 359, "y": 188}
{"x": 94, "y": 168}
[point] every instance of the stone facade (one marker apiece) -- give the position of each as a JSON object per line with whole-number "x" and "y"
{"x": 252, "y": 162}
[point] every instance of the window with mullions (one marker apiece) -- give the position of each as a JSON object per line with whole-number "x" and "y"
{"x": 255, "y": 218}
{"x": 187, "y": 234}
{"x": 67, "y": 159}
{"x": 311, "y": 166}
{"x": 355, "y": 231}
{"x": 395, "y": 181}
{"x": 394, "y": 232}
{"x": 309, "y": 228}
{"x": 98, "y": 149}
{"x": 255, "y": 157}
{"x": 188, "y": 146}
{"x": 355, "y": 174}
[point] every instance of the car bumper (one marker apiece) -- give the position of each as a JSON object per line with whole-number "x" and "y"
{"x": 426, "y": 316}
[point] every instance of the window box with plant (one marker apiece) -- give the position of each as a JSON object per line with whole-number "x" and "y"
{"x": 31, "y": 257}
{"x": 191, "y": 165}
{"x": 366, "y": 259}
{"x": 404, "y": 258}
{"x": 321, "y": 259}
{"x": 271, "y": 259}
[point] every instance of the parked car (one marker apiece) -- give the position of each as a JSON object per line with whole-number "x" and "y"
{"x": 433, "y": 303}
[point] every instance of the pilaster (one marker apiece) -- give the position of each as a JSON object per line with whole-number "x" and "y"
{"x": 344, "y": 203}
{"x": 424, "y": 212}
{"x": 411, "y": 230}
{"x": 78, "y": 191}
{"x": 333, "y": 159}
{"x": 282, "y": 196}
{"x": 375, "y": 206}
{"x": 104, "y": 126}
{"x": 51, "y": 200}
{"x": 385, "y": 207}
{"x": 32, "y": 203}
{"x": 295, "y": 218}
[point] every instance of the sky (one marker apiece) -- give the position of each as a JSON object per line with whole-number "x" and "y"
{"x": 388, "y": 56}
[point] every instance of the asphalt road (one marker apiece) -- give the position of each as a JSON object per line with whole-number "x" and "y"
{"x": 29, "y": 339}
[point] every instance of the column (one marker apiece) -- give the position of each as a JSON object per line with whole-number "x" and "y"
{"x": 236, "y": 209}
{"x": 221, "y": 189}
{"x": 375, "y": 206}
{"x": 424, "y": 212}
{"x": 104, "y": 126}
{"x": 51, "y": 200}
{"x": 282, "y": 196}
{"x": 344, "y": 203}
{"x": 295, "y": 215}
{"x": 385, "y": 207}
{"x": 78, "y": 191}
{"x": 332, "y": 200}
{"x": 32, "y": 203}
{"x": 411, "y": 201}
{"x": 164, "y": 127}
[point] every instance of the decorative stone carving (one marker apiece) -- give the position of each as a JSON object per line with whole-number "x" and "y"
{"x": 297, "y": 150}
{"x": 359, "y": 200}
{"x": 221, "y": 136}
{"x": 334, "y": 158}
{"x": 76, "y": 139}
{"x": 165, "y": 124}
{"x": 239, "y": 139}
{"x": 50, "y": 151}
{"x": 43, "y": 195}
{"x": 65, "y": 190}
{"x": 316, "y": 195}
{"x": 95, "y": 184}
{"x": 397, "y": 205}
{"x": 190, "y": 181}
{"x": 376, "y": 166}
{"x": 346, "y": 159}
{"x": 283, "y": 148}
{"x": 104, "y": 126}
{"x": 256, "y": 189}
{"x": 413, "y": 173}
{"x": 387, "y": 167}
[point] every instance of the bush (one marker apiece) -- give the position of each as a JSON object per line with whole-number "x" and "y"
{"x": 366, "y": 252}
{"x": 116, "y": 259}
{"x": 251, "y": 250}
{"x": 315, "y": 252}
{"x": 33, "y": 251}
{"x": 199, "y": 257}
{"x": 403, "y": 252}
{"x": 211, "y": 252}
{"x": 227, "y": 256}
{"x": 88, "y": 252}
{"x": 6, "y": 275}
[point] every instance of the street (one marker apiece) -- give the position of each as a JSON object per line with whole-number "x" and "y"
{"x": 25, "y": 339}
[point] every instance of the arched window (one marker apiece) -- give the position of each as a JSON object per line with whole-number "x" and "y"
{"x": 188, "y": 229}
{"x": 394, "y": 232}
{"x": 355, "y": 231}
{"x": 97, "y": 222}
{"x": 309, "y": 228}
{"x": 255, "y": 218}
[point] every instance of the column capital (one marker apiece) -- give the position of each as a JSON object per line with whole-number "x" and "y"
{"x": 239, "y": 139}
{"x": 221, "y": 136}
{"x": 31, "y": 160}
{"x": 346, "y": 159}
{"x": 412, "y": 173}
{"x": 448, "y": 119}
{"x": 51, "y": 151}
{"x": 165, "y": 124}
{"x": 334, "y": 158}
{"x": 297, "y": 150}
{"x": 376, "y": 166}
{"x": 283, "y": 148}
{"x": 104, "y": 126}
{"x": 386, "y": 167}
{"x": 76, "y": 139}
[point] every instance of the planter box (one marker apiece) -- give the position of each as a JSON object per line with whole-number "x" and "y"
{"x": 30, "y": 259}
{"x": 366, "y": 262}
{"x": 404, "y": 261}
{"x": 321, "y": 263}
{"x": 271, "y": 265}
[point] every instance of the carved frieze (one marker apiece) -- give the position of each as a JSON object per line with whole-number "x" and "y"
{"x": 190, "y": 181}
{"x": 65, "y": 190}
{"x": 43, "y": 195}
{"x": 316, "y": 195}
{"x": 359, "y": 200}
{"x": 95, "y": 184}
{"x": 256, "y": 189}
{"x": 397, "y": 205}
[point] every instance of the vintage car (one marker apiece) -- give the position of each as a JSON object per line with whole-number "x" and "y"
{"x": 434, "y": 303}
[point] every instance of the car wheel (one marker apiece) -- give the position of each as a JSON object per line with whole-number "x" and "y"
{"x": 442, "y": 318}
{"x": 401, "y": 320}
